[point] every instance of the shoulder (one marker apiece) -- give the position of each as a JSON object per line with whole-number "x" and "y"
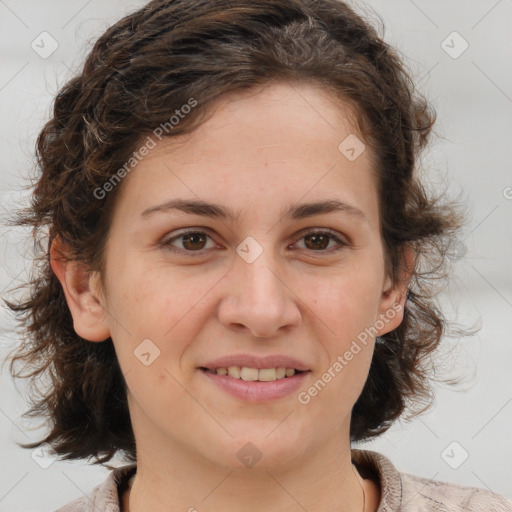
{"x": 444, "y": 496}
{"x": 410, "y": 493}
{"x": 105, "y": 496}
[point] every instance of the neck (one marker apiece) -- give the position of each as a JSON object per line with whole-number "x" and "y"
{"x": 326, "y": 481}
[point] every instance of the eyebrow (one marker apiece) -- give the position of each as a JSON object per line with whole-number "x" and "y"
{"x": 294, "y": 212}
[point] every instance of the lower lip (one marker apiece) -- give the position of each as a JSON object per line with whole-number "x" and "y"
{"x": 257, "y": 391}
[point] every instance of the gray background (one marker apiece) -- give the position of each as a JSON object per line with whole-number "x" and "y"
{"x": 472, "y": 92}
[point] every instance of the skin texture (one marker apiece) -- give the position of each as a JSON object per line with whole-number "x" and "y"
{"x": 260, "y": 153}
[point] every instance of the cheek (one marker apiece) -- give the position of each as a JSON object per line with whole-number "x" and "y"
{"x": 346, "y": 312}
{"x": 346, "y": 302}
{"x": 348, "y": 339}
{"x": 154, "y": 299}
{"x": 346, "y": 308}
{"x": 155, "y": 312}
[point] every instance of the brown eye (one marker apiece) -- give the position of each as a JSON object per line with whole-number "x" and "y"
{"x": 190, "y": 242}
{"x": 317, "y": 241}
{"x": 194, "y": 241}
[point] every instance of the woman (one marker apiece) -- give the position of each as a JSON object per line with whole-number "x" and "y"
{"x": 237, "y": 284}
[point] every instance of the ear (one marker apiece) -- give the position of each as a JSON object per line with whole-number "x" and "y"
{"x": 394, "y": 294}
{"x": 82, "y": 292}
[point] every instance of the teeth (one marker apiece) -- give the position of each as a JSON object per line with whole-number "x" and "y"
{"x": 249, "y": 373}
{"x": 233, "y": 371}
{"x": 253, "y": 374}
{"x": 267, "y": 374}
{"x": 280, "y": 373}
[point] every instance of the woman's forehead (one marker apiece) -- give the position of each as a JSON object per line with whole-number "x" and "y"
{"x": 258, "y": 150}
{"x": 280, "y": 113}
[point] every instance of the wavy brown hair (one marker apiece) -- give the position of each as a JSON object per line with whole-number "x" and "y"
{"x": 139, "y": 73}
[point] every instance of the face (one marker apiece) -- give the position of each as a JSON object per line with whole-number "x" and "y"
{"x": 267, "y": 280}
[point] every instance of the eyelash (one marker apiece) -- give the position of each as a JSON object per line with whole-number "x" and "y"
{"x": 167, "y": 243}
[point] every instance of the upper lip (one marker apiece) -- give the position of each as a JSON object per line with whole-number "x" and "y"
{"x": 251, "y": 361}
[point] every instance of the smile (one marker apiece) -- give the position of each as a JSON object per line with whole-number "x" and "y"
{"x": 255, "y": 374}
{"x": 249, "y": 384}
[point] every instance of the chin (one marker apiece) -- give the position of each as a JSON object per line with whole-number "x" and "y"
{"x": 263, "y": 448}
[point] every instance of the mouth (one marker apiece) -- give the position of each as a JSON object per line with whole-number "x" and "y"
{"x": 250, "y": 374}
{"x": 254, "y": 377}
{"x": 256, "y": 385}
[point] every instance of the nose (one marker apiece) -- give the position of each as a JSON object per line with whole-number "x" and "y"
{"x": 259, "y": 297}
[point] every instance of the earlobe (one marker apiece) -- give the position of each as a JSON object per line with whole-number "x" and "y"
{"x": 394, "y": 294}
{"x": 82, "y": 296}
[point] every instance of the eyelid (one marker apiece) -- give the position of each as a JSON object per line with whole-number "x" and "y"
{"x": 166, "y": 242}
{"x": 337, "y": 237}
